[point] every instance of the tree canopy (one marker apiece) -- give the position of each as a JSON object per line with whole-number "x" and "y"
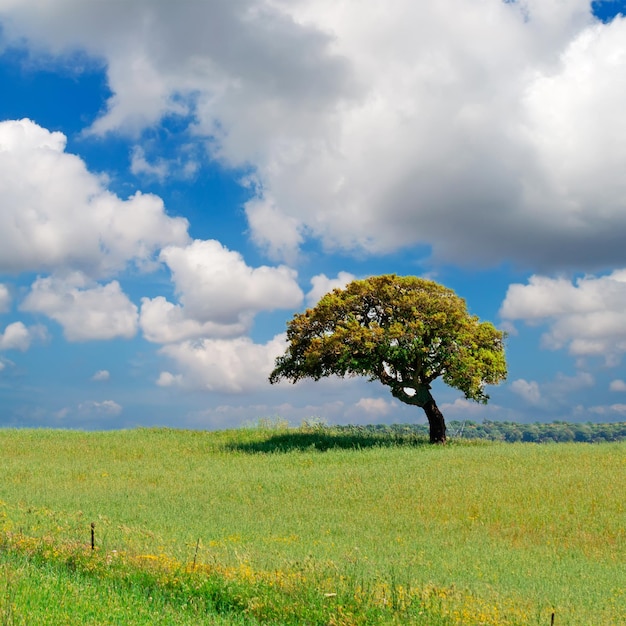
{"x": 403, "y": 331}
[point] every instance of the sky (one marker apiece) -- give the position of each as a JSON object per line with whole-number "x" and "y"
{"x": 178, "y": 179}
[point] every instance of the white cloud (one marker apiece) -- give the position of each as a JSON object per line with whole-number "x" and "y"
{"x": 101, "y": 375}
{"x": 552, "y": 394}
{"x": 279, "y": 234}
{"x": 139, "y": 165}
{"x": 219, "y": 294}
{"x": 184, "y": 166}
{"x": 452, "y": 131}
{"x": 617, "y": 385}
{"x": 57, "y": 215}
{"x": 375, "y": 407}
{"x": 462, "y": 409}
{"x": 164, "y": 322}
{"x": 5, "y": 299}
{"x": 84, "y": 310}
{"x": 562, "y": 385}
{"x": 167, "y": 379}
{"x": 17, "y": 336}
{"x": 528, "y": 390}
{"x": 493, "y": 134}
{"x": 611, "y": 410}
{"x": 4, "y": 363}
{"x": 215, "y": 284}
{"x": 588, "y": 316}
{"x": 321, "y": 285}
{"x": 231, "y": 366}
{"x": 106, "y": 407}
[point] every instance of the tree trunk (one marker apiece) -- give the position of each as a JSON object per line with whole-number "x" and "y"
{"x": 420, "y": 397}
{"x": 435, "y": 421}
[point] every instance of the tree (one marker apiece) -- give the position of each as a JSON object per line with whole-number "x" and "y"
{"x": 402, "y": 331}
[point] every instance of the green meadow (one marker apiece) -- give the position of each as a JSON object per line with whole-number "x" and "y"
{"x": 272, "y": 525}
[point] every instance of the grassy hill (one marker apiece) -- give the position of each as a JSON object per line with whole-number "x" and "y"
{"x": 310, "y": 525}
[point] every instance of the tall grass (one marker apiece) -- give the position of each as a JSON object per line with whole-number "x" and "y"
{"x": 362, "y": 528}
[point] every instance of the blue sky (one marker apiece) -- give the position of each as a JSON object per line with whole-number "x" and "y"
{"x": 178, "y": 179}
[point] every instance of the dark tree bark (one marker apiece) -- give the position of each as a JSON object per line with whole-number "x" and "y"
{"x": 423, "y": 398}
{"x": 435, "y": 421}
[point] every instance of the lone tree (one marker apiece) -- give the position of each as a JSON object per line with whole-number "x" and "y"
{"x": 402, "y": 331}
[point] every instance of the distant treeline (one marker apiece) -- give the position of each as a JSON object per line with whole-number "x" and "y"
{"x": 537, "y": 432}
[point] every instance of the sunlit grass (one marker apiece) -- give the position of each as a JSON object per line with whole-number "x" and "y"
{"x": 507, "y": 533}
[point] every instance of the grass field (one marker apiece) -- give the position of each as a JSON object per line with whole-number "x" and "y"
{"x": 308, "y": 526}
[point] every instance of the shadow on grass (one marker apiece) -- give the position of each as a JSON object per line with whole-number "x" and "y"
{"x": 325, "y": 439}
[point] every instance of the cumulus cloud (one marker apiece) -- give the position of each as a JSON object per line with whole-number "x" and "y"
{"x": 85, "y": 310}
{"x": 588, "y": 316}
{"x": 139, "y": 165}
{"x": 563, "y": 385}
{"x": 5, "y": 299}
{"x": 164, "y": 322}
{"x": 375, "y": 407}
{"x": 158, "y": 53}
{"x": 162, "y": 168}
{"x": 167, "y": 379}
{"x": 452, "y": 131}
{"x": 101, "y": 375}
{"x": 528, "y": 390}
{"x": 321, "y": 285}
{"x": 215, "y": 283}
{"x": 462, "y": 409}
{"x": 553, "y": 394}
{"x": 219, "y": 294}
{"x": 17, "y": 336}
{"x": 58, "y": 215}
{"x": 611, "y": 410}
{"x": 231, "y": 366}
{"x": 495, "y": 134}
{"x": 279, "y": 234}
{"x": 617, "y": 385}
